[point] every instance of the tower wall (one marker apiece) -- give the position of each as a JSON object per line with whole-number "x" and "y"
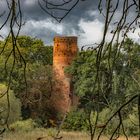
{"x": 64, "y": 51}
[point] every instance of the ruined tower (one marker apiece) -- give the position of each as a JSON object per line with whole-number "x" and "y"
{"x": 64, "y": 51}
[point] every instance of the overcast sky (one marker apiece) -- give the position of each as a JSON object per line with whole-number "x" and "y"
{"x": 83, "y": 21}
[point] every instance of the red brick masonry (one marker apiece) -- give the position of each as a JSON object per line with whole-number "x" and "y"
{"x": 64, "y": 51}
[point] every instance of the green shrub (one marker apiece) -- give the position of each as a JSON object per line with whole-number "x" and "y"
{"x": 25, "y": 125}
{"x": 131, "y": 123}
{"x": 76, "y": 120}
{"x": 104, "y": 115}
{"x": 51, "y": 132}
{"x": 14, "y": 108}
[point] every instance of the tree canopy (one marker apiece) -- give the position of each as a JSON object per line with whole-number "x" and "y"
{"x": 114, "y": 89}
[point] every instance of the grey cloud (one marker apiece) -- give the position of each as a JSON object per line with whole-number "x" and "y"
{"x": 85, "y": 11}
{"x": 32, "y": 11}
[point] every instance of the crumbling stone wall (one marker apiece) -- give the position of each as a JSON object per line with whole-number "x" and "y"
{"x": 64, "y": 51}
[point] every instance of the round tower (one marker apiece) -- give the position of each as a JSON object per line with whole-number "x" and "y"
{"x": 64, "y": 51}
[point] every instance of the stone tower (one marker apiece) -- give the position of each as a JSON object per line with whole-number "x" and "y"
{"x": 64, "y": 51}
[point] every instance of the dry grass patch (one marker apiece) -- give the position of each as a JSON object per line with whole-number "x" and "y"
{"x": 46, "y": 135}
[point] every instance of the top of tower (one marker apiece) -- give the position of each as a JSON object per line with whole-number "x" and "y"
{"x": 65, "y": 39}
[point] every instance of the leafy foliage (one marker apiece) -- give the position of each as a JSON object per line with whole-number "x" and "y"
{"x": 76, "y": 121}
{"x": 33, "y": 90}
{"x": 15, "y": 106}
{"x": 119, "y": 81}
{"x": 24, "y": 125}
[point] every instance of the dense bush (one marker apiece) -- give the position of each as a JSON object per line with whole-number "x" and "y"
{"x": 76, "y": 120}
{"x": 131, "y": 123}
{"x": 24, "y": 125}
{"x": 14, "y": 108}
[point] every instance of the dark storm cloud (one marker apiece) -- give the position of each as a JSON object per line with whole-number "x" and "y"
{"x": 32, "y": 10}
{"x": 33, "y": 14}
{"x": 83, "y": 21}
